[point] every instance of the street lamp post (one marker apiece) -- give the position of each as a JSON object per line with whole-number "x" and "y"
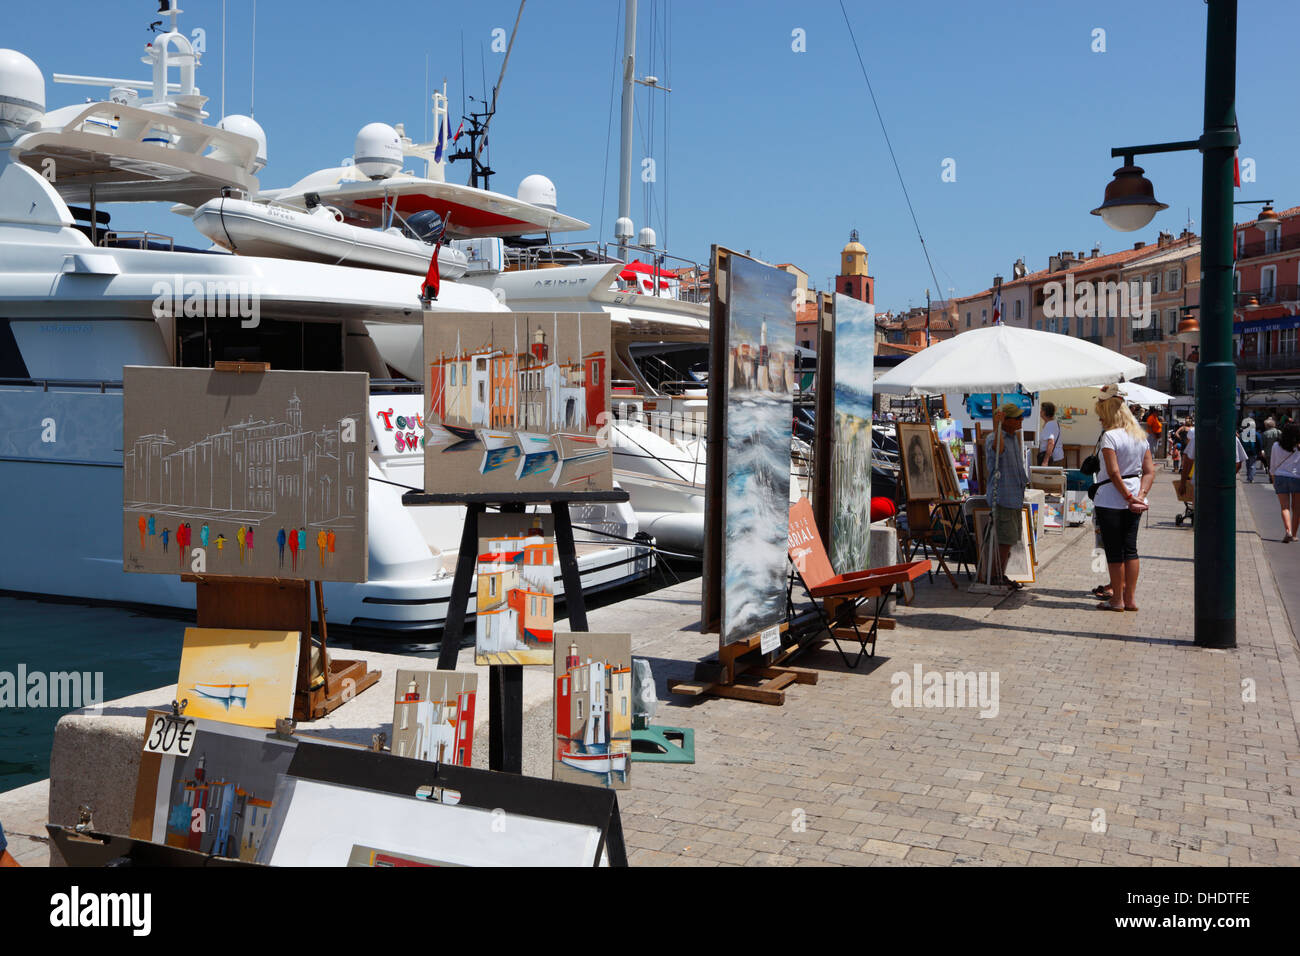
{"x": 1128, "y": 200}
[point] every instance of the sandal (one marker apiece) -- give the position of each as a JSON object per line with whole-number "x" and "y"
{"x": 1107, "y": 606}
{"x": 1014, "y": 585}
{"x": 1127, "y": 608}
{"x": 1102, "y": 592}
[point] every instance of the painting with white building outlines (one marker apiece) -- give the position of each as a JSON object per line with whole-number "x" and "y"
{"x": 593, "y": 709}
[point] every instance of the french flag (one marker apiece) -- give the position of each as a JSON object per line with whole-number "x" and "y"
{"x": 459, "y": 129}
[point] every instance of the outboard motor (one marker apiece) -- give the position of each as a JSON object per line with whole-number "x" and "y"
{"x": 427, "y": 225}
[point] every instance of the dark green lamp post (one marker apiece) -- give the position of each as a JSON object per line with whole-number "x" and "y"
{"x": 1130, "y": 204}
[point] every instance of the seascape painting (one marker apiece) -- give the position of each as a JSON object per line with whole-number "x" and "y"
{"x": 760, "y": 390}
{"x": 252, "y": 474}
{"x": 514, "y": 618}
{"x": 593, "y": 709}
{"x": 515, "y": 402}
{"x": 855, "y": 352}
{"x": 433, "y": 716}
{"x": 238, "y": 676}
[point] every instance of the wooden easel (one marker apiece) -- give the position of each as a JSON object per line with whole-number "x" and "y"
{"x": 282, "y": 604}
{"x": 506, "y": 700}
{"x": 764, "y": 681}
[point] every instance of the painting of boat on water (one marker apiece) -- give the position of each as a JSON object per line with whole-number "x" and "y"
{"x": 514, "y": 617}
{"x": 855, "y": 352}
{"x": 593, "y": 709}
{"x": 760, "y": 396}
{"x": 237, "y": 676}
{"x": 516, "y": 401}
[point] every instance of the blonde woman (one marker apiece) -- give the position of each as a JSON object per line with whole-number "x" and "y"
{"x": 1121, "y": 498}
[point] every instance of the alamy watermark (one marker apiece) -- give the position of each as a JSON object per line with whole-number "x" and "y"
{"x": 949, "y": 689}
{"x": 209, "y": 299}
{"x": 1084, "y": 300}
{"x": 62, "y": 690}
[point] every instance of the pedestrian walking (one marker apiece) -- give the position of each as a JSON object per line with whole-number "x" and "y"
{"x": 1154, "y": 430}
{"x": 1121, "y": 498}
{"x": 1249, "y": 438}
{"x": 1267, "y": 439}
{"x": 1284, "y": 466}
{"x": 1050, "y": 449}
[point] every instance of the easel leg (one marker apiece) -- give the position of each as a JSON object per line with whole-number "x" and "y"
{"x": 573, "y": 599}
{"x": 506, "y": 718}
{"x": 453, "y": 627}
{"x": 324, "y": 637}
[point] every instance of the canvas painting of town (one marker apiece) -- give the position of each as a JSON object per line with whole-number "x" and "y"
{"x": 249, "y": 474}
{"x": 855, "y": 352}
{"x": 515, "y": 588}
{"x": 238, "y": 677}
{"x": 515, "y": 402}
{"x": 593, "y": 709}
{"x": 433, "y": 716}
{"x": 760, "y": 396}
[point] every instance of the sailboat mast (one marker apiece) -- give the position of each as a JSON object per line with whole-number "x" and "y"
{"x": 623, "y": 225}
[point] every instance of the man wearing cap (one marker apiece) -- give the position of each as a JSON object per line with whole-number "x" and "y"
{"x": 1007, "y": 481}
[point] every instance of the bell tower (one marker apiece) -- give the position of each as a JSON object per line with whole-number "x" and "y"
{"x": 853, "y": 279}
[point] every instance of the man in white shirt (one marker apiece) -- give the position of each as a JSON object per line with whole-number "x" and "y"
{"x": 1189, "y": 454}
{"x": 1050, "y": 449}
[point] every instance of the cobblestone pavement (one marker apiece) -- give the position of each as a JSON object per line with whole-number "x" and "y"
{"x": 1116, "y": 740}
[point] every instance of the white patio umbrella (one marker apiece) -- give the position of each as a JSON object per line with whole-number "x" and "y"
{"x": 1142, "y": 395}
{"x": 1004, "y": 358}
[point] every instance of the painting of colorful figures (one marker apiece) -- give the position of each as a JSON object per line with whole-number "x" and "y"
{"x": 238, "y": 677}
{"x": 433, "y": 716}
{"x": 217, "y": 800}
{"x": 593, "y": 709}
{"x": 253, "y": 474}
{"x": 760, "y": 388}
{"x": 515, "y": 586}
{"x": 855, "y": 353}
{"x": 516, "y": 401}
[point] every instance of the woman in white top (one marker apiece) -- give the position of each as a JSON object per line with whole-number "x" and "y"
{"x": 1050, "y": 449}
{"x": 1284, "y": 466}
{"x": 1121, "y": 499}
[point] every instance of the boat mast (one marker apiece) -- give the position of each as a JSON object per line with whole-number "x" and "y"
{"x": 623, "y": 225}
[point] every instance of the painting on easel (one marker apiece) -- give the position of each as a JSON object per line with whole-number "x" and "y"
{"x": 516, "y": 402}
{"x": 259, "y": 474}
{"x": 515, "y": 588}
{"x": 593, "y": 709}
{"x": 916, "y": 452}
{"x": 237, "y": 676}
{"x": 855, "y": 347}
{"x": 433, "y": 716}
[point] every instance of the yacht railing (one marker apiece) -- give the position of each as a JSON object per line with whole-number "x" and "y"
{"x": 594, "y": 252}
{"x": 47, "y": 383}
{"x": 135, "y": 238}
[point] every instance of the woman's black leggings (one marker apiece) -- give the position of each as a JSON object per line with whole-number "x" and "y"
{"x": 1119, "y": 533}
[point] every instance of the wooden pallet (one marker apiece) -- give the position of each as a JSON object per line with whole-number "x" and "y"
{"x": 738, "y": 672}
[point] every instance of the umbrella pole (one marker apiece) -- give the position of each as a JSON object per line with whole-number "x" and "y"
{"x": 994, "y": 553}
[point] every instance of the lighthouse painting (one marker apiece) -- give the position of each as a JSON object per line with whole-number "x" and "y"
{"x": 516, "y": 402}
{"x": 593, "y": 709}
{"x": 433, "y": 716}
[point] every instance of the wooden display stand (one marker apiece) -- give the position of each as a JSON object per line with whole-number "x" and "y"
{"x": 282, "y": 604}
{"x": 506, "y": 700}
{"x": 764, "y": 681}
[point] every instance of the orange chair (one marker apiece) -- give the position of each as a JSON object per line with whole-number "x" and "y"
{"x": 837, "y": 597}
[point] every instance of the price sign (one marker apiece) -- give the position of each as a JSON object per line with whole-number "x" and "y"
{"x": 770, "y": 639}
{"x": 170, "y": 736}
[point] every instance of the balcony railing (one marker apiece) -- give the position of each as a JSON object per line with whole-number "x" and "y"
{"x": 1277, "y": 293}
{"x": 1152, "y": 333}
{"x": 1269, "y": 246}
{"x": 1272, "y": 363}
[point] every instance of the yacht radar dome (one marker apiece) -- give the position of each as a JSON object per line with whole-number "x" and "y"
{"x": 244, "y": 126}
{"x": 22, "y": 90}
{"x": 537, "y": 190}
{"x": 646, "y": 238}
{"x": 378, "y": 151}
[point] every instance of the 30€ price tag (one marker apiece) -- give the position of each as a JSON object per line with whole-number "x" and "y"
{"x": 770, "y": 639}
{"x": 170, "y": 736}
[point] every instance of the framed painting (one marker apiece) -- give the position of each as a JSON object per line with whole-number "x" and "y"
{"x": 855, "y": 348}
{"x": 916, "y": 452}
{"x": 433, "y": 716}
{"x": 1020, "y": 564}
{"x": 253, "y": 474}
{"x": 593, "y": 709}
{"x": 516, "y": 402}
{"x": 514, "y": 620}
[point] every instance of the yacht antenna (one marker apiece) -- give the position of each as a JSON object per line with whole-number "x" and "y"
{"x": 223, "y": 59}
{"x": 252, "y": 71}
{"x": 478, "y": 122}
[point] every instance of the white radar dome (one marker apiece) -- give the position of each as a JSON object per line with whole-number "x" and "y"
{"x": 22, "y": 90}
{"x": 378, "y": 151}
{"x": 646, "y": 238}
{"x": 537, "y": 190}
{"x": 244, "y": 126}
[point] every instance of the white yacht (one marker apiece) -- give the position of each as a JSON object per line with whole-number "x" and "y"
{"x": 80, "y": 300}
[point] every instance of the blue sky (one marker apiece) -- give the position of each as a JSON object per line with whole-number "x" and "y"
{"x": 768, "y": 150}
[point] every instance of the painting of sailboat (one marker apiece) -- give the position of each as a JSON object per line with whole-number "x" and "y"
{"x": 593, "y": 709}
{"x": 238, "y": 676}
{"x": 855, "y": 351}
{"x": 510, "y": 385}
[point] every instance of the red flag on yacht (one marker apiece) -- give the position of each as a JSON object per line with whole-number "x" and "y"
{"x": 459, "y": 129}
{"x": 432, "y": 281}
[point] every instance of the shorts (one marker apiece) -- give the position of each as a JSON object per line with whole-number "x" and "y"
{"x": 1009, "y": 524}
{"x": 1119, "y": 533}
{"x": 1286, "y": 485}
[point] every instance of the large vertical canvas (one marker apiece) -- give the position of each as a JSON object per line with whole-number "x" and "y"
{"x": 760, "y": 388}
{"x": 237, "y": 676}
{"x": 855, "y": 353}
{"x": 593, "y": 709}
{"x": 252, "y": 474}
{"x": 514, "y": 620}
{"x": 516, "y": 402}
{"x": 433, "y": 716}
